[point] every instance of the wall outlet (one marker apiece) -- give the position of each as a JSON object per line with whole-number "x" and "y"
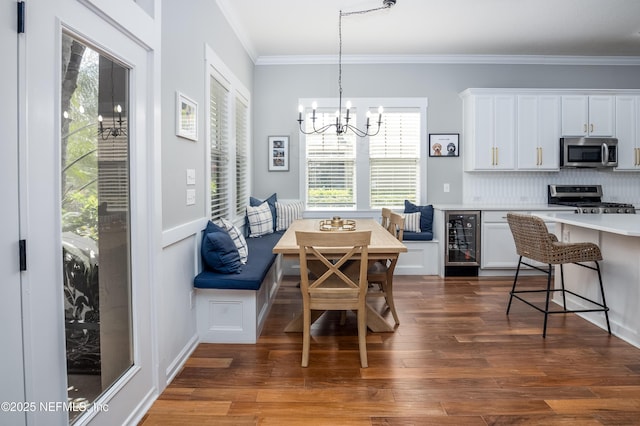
{"x": 446, "y": 187}
{"x": 566, "y": 236}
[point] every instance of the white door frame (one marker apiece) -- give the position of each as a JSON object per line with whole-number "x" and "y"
{"x": 12, "y": 366}
{"x": 44, "y": 343}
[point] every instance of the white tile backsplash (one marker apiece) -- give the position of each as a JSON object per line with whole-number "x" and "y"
{"x": 531, "y": 187}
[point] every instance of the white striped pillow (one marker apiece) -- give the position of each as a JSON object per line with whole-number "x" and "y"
{"x": 236, "y": 236}
{"x": 260, "y": 220}
{"x": 412, "y": 222}
{"x": 287, "y": 213}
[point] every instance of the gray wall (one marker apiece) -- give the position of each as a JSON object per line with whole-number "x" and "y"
{"x": 186, "y": 28}
{"x": 277, "y": 89}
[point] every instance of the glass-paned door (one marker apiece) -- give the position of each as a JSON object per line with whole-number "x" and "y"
{"x": 95, "y": 206}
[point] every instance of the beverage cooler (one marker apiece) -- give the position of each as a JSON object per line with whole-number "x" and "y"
{"x": 462, "y": 251}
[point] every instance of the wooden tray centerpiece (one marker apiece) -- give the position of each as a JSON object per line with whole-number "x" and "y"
{"x": 337, "y": 224}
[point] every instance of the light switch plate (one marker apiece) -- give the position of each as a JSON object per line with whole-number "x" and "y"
{"x": 191, "y": 176}
{"x": 191, "y": 197}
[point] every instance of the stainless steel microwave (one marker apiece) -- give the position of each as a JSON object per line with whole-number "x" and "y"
{"x": 588, "y": 152}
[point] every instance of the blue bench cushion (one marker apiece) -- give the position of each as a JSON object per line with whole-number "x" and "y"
{"x": 417, "y": 236}
{"x": 252, "y": 273}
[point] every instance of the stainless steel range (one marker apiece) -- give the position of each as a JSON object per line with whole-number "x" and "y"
{"x": 587, "y": 199}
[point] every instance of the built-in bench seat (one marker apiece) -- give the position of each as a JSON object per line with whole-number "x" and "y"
{"x": 417, "y": 236}
{"x": 232, "y": 308}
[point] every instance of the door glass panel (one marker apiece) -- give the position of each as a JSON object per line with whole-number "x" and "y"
{"x": 95, "y": 221}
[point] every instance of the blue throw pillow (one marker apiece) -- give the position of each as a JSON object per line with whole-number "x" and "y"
{"x": 219, "y": 252}
{"x": 426, "y": 215}
{"x": 254, "y": 202}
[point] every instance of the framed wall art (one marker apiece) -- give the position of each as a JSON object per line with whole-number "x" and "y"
{"x": 278, "y": 153}
{"x": 444, "y": 144}
{"x": 186, "y": 117}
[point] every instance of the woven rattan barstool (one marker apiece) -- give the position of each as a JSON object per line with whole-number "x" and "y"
{"x": 533, "y": 241}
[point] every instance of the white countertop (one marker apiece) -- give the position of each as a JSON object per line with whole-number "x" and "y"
{"x": 622, "y": 224}
{"x": 502, "y": 207}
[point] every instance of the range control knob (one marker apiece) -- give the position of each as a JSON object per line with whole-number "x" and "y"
{"x": 594, "y": 210}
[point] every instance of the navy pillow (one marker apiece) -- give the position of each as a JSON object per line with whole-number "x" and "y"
{"x": 219, "y": 252}
{"x": 426, "y": 215}
{"x": 212, "y": 227}
{"x": 271, "y": 201}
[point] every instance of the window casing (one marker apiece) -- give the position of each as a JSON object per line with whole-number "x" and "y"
{"x": 360, "y": 174}
{"x": 242, "y": 155}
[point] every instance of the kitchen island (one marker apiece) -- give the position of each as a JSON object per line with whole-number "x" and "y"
{"x": 618, "y": 236}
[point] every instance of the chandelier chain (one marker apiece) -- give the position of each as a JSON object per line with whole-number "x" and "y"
{"x": 341, "y": 127}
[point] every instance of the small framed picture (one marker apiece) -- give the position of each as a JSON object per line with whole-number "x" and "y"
{"x": 444, "y": 144}
{"x": 278, "y": 153}
{"x": 186, "y": 117}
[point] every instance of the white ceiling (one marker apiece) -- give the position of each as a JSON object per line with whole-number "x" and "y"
{"x": 292, "y": 29}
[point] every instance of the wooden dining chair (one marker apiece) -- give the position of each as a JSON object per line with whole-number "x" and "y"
{"x": 381, "y": 272}
{"x": 330, "y": 253}
{"x": 386, "y": 216}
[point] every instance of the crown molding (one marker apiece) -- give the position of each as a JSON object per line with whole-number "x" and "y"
{"x": 449, "y": 59}
{"x": 237, "y": 28}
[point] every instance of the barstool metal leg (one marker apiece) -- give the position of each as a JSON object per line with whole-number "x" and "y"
{"x": 513, "y": 288}
{"x": 604, "y": 302}
{"x": 564, "y": 298}
{"x": 546, "y": 305}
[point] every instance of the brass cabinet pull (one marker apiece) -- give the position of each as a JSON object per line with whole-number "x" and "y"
{"x": 539, "y": 156}
{"x": 591, "y": 127}
{"x": 493, "y": 156}
{"x": 497, "y": 158}
{"x": 585, "y": 128}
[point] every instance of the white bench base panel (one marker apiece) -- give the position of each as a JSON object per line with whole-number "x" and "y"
{"x": 236, "y": 316}
{"x": 421, "y": 258}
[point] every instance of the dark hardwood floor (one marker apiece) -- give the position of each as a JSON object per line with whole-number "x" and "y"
{"x": 455, "y": 359}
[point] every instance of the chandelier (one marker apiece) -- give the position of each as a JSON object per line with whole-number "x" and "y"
{"x": 341, "y": 124}
{"x": 116, "y": 129}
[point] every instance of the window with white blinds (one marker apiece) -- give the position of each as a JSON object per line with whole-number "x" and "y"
{"x": 330, "y": 166}
{"x": 394, "y": 159}
{"x": 242, "y": 158}
{"x": 219, "y": 145}
{"x": 229, "y": 135}
{"x": 354, "y": 173}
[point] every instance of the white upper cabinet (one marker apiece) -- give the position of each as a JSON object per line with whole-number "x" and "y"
{"x": 489, "y": 132}
{"x": 520, "y": 129}
{"x": 628, "y": 132}
{"x": 588, "y": 115}
{"x": 538, "y": 132}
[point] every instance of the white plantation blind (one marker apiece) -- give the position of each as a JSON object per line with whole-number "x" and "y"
{"x": 242, "y": 158}
{"x": 331, "y": 165}
{"x": 394, "y": 159}
{"x": 219, "y": 143}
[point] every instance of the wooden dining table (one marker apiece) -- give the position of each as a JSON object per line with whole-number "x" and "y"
{"x": 383, "y": 246}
